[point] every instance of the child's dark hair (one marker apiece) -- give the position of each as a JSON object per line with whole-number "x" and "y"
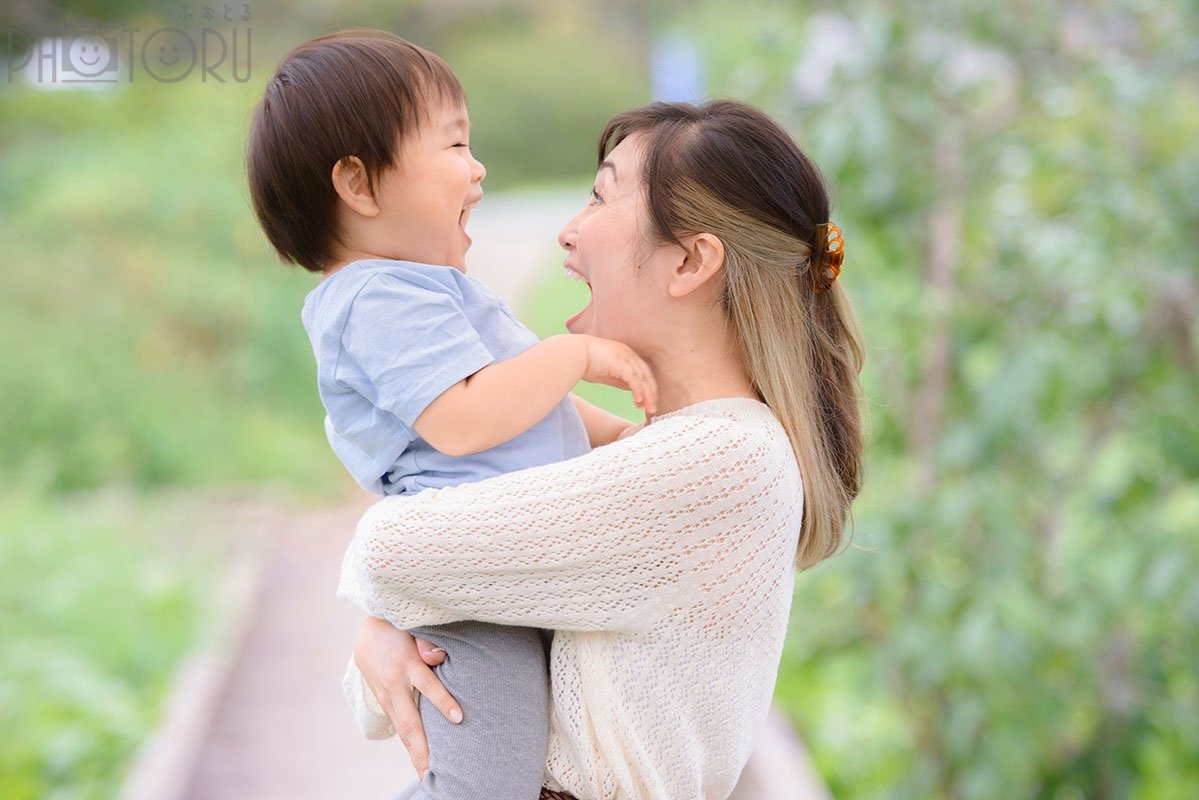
{"x": 353, "y": 93}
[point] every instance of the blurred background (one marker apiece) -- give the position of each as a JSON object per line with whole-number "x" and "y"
{"x": 1018, "y": 616}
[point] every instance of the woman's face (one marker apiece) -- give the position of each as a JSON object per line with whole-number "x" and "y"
{"x": 607, "y": 246}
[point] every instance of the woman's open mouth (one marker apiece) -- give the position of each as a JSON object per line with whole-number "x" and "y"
{"x": 574, "y": 274}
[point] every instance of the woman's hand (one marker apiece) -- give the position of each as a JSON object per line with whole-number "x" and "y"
{"x": 394, "y": 665}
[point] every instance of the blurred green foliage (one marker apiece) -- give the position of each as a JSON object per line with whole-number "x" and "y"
{"x": 150, "y": 338}
{"x": 1019, "y": 615}
{"x": 540, "y": 89}
{"x": 98, "y": 606}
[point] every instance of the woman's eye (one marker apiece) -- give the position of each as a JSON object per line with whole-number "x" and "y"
{"x": 596, "y": 199}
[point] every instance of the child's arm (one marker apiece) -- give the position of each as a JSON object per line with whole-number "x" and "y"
{"x": 505, "y": 399}
{"x": 602, "y": 426}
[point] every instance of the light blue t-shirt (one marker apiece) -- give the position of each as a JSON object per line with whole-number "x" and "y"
{"x": 389, "y": 337}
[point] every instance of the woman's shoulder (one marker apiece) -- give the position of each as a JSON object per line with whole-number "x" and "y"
{"x": 725, "y": 418}
{"x": 746, "y": 410}
{"x": 716, "y": 432}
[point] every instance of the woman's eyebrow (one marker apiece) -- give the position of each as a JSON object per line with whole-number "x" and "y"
{"x": 611, "y": 166}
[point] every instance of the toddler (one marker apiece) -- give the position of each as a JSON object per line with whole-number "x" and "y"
{"x": 360, "y": 170}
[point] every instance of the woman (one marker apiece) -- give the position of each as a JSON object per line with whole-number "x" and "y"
{"x": 662, "y": 558}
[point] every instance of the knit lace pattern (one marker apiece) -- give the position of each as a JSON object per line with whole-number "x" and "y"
{"x": 664, "y": 564}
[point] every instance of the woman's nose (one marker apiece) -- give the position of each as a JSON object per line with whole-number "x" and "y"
{"x": 569, "y": 233}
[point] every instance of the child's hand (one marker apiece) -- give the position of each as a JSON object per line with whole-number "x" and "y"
{"x": 615, "y": 364}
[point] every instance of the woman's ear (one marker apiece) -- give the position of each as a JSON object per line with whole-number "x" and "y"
{"x": 352, "y": 185}
{"x": 704, "y": 259}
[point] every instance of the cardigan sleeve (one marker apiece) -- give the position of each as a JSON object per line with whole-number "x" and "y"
{"x": 609, "y": 541}
{"x": 373, "y": 722}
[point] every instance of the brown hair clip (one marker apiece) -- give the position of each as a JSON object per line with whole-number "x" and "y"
{"x": 830, "y": 257}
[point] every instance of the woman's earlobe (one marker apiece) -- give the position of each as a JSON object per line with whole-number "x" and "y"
{"x": 353, "y": 186}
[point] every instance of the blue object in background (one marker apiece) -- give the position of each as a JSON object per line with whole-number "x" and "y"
{"x": 677, "y": 72}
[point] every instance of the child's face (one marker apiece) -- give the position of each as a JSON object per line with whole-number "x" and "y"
{"x": 426, "y": 198}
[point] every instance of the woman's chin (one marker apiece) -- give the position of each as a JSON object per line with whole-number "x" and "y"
{"x": 580, "y": 322}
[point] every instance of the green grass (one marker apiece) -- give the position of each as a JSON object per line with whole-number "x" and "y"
{"x": 100, "y": 598}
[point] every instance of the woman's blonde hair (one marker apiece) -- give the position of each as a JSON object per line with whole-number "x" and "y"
{"x": 728, "y": 169}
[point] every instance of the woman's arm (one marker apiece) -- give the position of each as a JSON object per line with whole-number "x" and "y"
{"x": 611, "y": 540}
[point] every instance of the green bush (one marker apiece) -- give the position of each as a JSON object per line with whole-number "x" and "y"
{"x": 148, "y": 339}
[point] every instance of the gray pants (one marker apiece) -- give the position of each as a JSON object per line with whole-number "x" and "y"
{"x": 500, "y": 677}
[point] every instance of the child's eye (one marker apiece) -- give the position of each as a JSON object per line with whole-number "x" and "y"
{"x": 463, "y": 144}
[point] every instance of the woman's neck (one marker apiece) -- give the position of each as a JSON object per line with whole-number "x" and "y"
{"x": 699, "y": 373}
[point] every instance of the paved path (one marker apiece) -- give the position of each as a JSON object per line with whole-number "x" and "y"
{"x": 278, "y": 728}
{"x": 282, "y": 730}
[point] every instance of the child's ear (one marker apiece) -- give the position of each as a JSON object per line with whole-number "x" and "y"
{"x": 353, "y": 187}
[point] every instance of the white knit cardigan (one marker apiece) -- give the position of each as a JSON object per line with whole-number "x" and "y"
{"x": 662, "y": 561}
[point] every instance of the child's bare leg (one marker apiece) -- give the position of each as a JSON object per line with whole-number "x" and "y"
{"x": 498, "y": 675}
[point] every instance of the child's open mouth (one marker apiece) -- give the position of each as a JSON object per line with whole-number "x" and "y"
{"x": 464, "y": 217}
